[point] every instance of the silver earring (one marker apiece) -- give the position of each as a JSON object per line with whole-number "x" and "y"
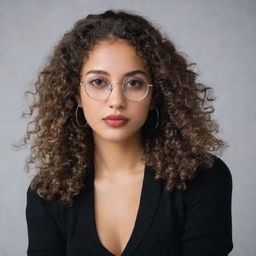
{"x": 157, "y": 118}
{"x": 77, "y": 119}
{"x": 150, "y": 118}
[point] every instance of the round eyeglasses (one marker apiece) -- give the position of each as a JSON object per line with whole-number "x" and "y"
{"x": 133, "y": 88}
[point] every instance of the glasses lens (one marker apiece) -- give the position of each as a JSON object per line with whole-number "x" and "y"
{"x": 97, "y": 89}
{"x": 135, "y": 88}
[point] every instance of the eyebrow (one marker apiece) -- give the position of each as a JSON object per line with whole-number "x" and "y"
{"x": 101, "y": 72}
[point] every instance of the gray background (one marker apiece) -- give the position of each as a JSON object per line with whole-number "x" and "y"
{"x": 218, "y": 35}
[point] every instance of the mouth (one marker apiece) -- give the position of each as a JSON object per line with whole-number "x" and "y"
{"x": 116, "y": 117}
{"x": 115, "y": 122}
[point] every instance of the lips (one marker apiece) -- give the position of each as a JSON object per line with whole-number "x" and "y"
{"x": 116, "y": 117}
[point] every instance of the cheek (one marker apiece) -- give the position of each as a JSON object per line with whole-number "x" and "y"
{"x": 92, "y": 109}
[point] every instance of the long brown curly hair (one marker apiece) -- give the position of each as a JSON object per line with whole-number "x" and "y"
{"x": 62, "y": 152}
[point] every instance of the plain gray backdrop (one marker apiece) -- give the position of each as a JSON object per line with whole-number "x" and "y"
{"x": 220, "y": 36}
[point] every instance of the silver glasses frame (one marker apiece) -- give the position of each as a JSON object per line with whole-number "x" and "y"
{"x": 110, "y": 88}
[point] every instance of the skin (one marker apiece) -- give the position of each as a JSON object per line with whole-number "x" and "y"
{"x": 117, "y": 158}
{"x": 117, "y": 149}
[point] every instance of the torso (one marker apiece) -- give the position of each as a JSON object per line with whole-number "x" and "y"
{"x": 116, "y": 208}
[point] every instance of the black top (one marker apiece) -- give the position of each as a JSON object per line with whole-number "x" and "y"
{"x": 194, "y": 222}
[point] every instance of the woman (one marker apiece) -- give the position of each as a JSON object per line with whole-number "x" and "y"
{"x": 123, "y": 144}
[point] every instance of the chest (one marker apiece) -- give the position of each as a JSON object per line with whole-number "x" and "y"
{"x": 116, "y": 208}
{"x": 156, "y": 228}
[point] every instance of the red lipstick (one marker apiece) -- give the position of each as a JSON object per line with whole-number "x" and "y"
{"x": 116, "y": 120}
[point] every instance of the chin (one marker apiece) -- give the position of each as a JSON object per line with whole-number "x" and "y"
{"x": 115, "y": 135}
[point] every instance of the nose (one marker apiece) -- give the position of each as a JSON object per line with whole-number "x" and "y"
{"x": 116, "y": 97}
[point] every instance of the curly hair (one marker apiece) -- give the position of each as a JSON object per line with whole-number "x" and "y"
{"x": 62, "y": 152}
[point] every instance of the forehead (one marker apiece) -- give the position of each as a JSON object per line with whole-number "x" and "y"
{"x": 113, "y": 57}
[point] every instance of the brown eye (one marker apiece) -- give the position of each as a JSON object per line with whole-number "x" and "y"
{"x": 135, "y": 83}
{"x": 98, "y": 82}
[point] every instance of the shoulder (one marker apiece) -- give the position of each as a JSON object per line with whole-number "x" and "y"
{"x": 217, "y": 175}
{"x": 36, "y": 203}
{"x": 40, "y": 211}
{"x": 39, "y": 206}
{"x": 34, "y": 197}
{"x": 215, "y": 181}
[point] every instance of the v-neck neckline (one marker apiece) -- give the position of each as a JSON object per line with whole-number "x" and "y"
{"x": 136, "y": 219}
{"x": 149, "y": 196}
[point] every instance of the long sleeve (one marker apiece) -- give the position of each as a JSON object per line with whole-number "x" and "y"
{"x": 208, "y": 227}
{"x": 44, "y": 236}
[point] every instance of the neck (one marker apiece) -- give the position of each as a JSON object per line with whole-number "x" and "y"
{"x": 113, "y": 158}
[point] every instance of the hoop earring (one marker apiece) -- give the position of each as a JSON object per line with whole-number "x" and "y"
{"x": 157, "y": 118}
{"x": 151, "y": 121}
{"x": 77, "y": 119}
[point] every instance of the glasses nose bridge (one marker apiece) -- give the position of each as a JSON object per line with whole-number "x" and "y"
{"x": 114, "y": 83}
{"x": 111, "y": 86}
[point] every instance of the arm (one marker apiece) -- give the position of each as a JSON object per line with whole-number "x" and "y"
{"x": 208, "y": 226}
{"x": 43, "y": 233}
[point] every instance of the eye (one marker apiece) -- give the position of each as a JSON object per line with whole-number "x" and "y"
{"x": 98, "y": 82}
{"x": 135, "y": 83}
